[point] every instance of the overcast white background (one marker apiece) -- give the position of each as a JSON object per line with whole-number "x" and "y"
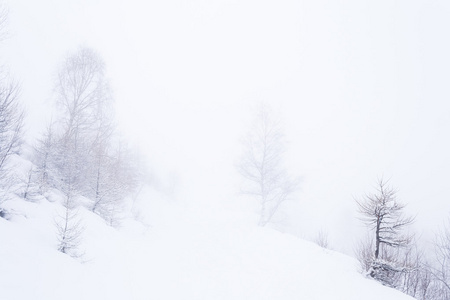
{"x": 361, "y": 87}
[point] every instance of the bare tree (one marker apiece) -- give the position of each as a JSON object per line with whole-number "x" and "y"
{"x": 11, "y": 123}
{"x": 441, "y": 269}
{"x": 262, "y": 166}
{"x": 82, "y": 91}
{"x": 68, "y": 224}
{"x": 108, "y": 185}
{"x": 364, "y": 253}
{"x": 322, "y": 240}
{"x": 415, "y": 278}
{"x": 113, "y": 173}
{"x": 83, "y": 98}
{"x": 27, "y": 185}
{"x": 69, "y": 229}
{"x": 383, "y": 214}
{"x": 44, "y": 153}
{"x": 11, "y": 120}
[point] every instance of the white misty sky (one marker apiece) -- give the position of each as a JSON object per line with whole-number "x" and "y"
{"x": 361, "y": 87}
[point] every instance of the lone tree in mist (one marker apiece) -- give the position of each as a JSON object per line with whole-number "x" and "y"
{"x": 262, "y": 166}
{"x": 383, "y": 214}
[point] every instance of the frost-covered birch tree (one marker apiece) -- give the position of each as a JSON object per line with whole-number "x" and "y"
{"x": 82, "y": 95}
{"x": 262, "y": 166}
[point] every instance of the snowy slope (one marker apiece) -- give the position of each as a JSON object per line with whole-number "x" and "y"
{"x": 186, "y": 251}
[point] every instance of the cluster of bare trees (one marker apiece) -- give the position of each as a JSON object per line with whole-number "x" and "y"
{"x": 80, "y": 154}
{"x": 440, "y": 266}
{"x": 11, "y": 122}
{"x": 392, "y": 256}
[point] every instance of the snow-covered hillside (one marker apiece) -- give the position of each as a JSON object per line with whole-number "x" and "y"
{"x": 179, "y": 250}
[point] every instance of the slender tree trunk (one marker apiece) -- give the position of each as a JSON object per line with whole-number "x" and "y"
{"x": 377, "y": 240}
{"x": 97, "y": 191}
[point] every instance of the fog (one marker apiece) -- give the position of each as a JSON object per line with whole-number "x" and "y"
{"x": 360, "y": 88}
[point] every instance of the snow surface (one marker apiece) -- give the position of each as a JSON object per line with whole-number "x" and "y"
{"x": 178, "y": 250}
